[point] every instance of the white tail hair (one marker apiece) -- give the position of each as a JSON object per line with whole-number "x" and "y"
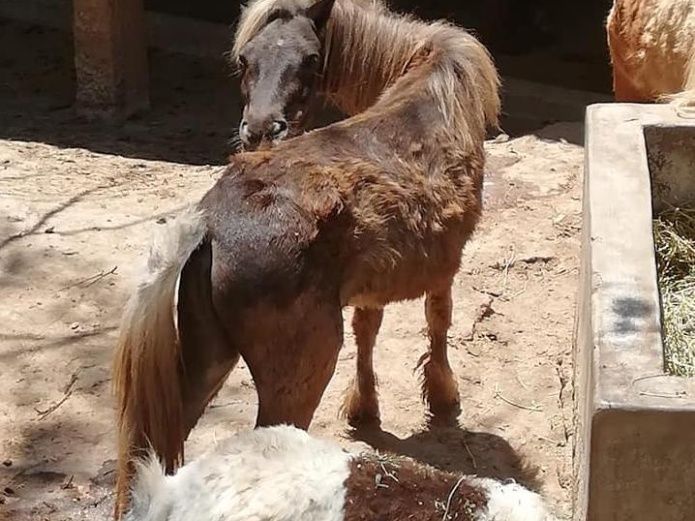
{"x": 146, "y": 373}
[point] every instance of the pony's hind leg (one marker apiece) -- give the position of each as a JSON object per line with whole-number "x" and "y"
{"x": 439, "y": 388}
{"x": 361, "y": 403}
{"x": 293, "y": 358}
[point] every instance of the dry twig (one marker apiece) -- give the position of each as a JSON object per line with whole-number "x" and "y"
{"x": 67, "y": 393}
{"x": 533, "y": 408}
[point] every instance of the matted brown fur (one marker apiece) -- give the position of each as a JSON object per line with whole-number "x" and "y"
{"x": 652, "y": 47}
{"x": 368, "y": 211}
{"x": 384, "y": 489}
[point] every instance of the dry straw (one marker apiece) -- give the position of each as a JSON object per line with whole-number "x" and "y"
{"x": 674, "y": 237}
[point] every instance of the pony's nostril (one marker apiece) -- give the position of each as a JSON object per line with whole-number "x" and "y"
{"x": 279, "y": 126}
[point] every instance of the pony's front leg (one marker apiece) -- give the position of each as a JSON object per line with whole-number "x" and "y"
{"x": 439, "y": 388}
{"x": 361, "y": 403}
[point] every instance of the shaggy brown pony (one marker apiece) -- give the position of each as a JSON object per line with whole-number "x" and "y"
{"x": 370, "y": 210}
{"x": 652, "y": 47}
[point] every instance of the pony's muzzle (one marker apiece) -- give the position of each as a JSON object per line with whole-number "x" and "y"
{"x": 253, "y": 134}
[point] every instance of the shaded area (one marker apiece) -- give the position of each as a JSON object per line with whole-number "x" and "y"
{"x": 195, "y": 104}
{"x": 35, "y": 490}
{"x": 45, "y": 217}
{"x": 560, "y": 43}
{"x": 455, "y": 449}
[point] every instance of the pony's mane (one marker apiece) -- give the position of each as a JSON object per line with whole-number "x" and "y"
{"x": 368, "y": 49}
{"x": 255, "y": 15}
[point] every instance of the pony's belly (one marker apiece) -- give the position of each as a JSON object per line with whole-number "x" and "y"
{"x": 376, "y": 286}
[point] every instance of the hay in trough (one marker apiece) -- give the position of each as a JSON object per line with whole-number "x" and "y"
{"x": 674, "y": 238}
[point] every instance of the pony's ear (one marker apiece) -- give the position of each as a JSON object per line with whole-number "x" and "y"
{"x": 320, "y": 12}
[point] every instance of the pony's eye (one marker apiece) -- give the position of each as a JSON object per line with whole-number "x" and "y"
{"x": 241, "y": 63}
{"x": 312, "y": 59}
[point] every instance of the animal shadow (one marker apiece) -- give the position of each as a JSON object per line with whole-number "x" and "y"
{"x": 453, "y": 449}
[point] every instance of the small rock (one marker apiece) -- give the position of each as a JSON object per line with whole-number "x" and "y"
{"x": 7, "y": 462}
{"x": 50, "y": 229}
{"x": 502, "y": 138}
{"x": 162, "y": 220}
{"x": 74, "y": 325}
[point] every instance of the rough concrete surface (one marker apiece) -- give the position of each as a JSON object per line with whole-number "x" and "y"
{"x": 635, "y": 443}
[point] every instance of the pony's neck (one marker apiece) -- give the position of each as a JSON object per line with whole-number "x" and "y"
{"x": 385, "y": 62}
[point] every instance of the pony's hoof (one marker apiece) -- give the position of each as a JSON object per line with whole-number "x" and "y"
{"x": 440, "y": 391}
{"x": 364, "y": 419}
{"x": 360, "y": 411}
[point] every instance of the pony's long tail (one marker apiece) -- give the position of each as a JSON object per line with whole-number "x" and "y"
{"x": 147, "y": 374}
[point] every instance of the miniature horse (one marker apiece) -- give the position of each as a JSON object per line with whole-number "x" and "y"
{"x": 652, "y": 47}
{"x": 370, "y": 210}
{"x": 282, "y": 473}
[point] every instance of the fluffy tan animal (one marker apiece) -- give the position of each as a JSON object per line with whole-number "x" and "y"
{"x": 652, "y": 47}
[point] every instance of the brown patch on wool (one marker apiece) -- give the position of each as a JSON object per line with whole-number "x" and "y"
{"x": 379, "y": 489}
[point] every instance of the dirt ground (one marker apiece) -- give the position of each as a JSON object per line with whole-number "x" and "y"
{"x": 78, "y": 204}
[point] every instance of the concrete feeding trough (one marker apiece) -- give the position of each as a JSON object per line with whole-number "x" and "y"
{"x": 635, "y": 439}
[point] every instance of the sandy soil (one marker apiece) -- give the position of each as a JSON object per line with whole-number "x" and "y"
{"x": 78, "y": 204}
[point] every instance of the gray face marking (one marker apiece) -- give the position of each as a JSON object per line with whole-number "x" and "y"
{"x": 280, "y": 70}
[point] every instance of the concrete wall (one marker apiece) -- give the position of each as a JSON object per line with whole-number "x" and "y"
{"x": 635, "y": 424}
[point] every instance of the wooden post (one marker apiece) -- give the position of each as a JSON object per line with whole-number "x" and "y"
{"x": 110, "y": 57}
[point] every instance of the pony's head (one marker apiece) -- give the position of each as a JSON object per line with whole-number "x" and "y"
{"x": 279, "y": 53}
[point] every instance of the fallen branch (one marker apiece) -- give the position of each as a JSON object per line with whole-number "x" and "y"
{"x": 68, "y": 484}
{"x": 534, "y": 408}
{"x": 67, "y": 393}
{"x": 89, "y": 281}
{"x": 679, "y": 395}
{"x": 648, "y": 377}
{"x": 470, "y": 454}
{"x": 451, "y": 495}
